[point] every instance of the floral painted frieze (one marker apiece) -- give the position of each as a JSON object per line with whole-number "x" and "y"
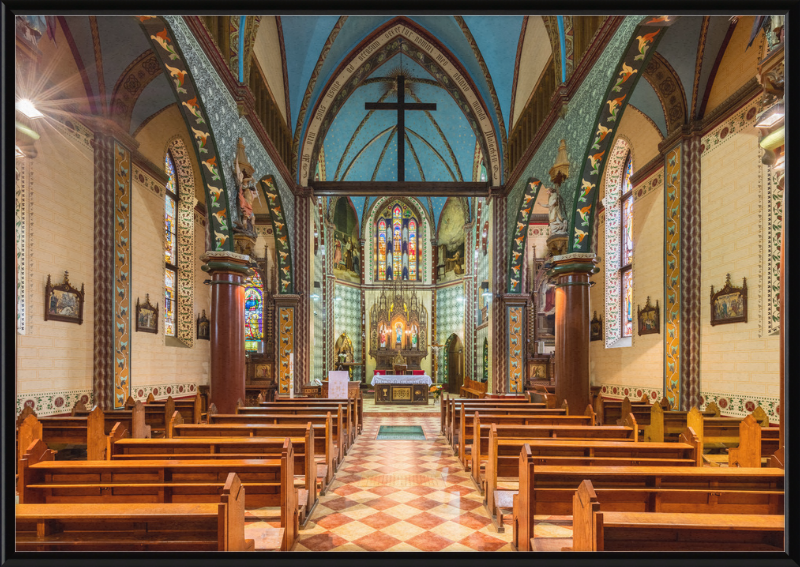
{"x": 672, "y": 275}
{"x": 122, "y": 274}
{"x": 193, "y": 111}
{"x": 636, "y": 57}
{"x": 516, "y": 364}
{"x": 520, "y": 234}
{"x": 282, "y": 245}
{"x": 285, "y": 347}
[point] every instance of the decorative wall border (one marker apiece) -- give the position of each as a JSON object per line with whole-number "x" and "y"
{"x": 648, "y": 185}
{"x": 285, "y": 321}
{"x": 612, "y": 207}
{"x": 741, "y": 405}
{"x": 516, "y": 365}
{"x": 186, "y": 251}
{"x": 737, "y": 122}
{"x": 52, "y": 403}
{"x": 23, "y": 221}
{"x": 672, "y": 274}
{"x": 772, "y": 252}
{"x": 121, "y": 302}
{"x": 282, "y": 245}
{"x": 147, "y": 181}
{"x": 521, "y": 235}
{"x": 633, "y": 392}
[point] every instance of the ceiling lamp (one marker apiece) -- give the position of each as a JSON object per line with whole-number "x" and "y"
{"x": 26, "y": 107}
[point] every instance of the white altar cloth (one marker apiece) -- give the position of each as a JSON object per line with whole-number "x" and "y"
{"x": 401, "y": 379}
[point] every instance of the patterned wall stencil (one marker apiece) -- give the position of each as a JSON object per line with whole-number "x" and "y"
{"x": 122, "y": 274}
{"x": 613, "y": 225}
{"x": 637, "y": 55}
{"x": 449, "y": 321}
{"x": 193, "y": 110}
{"x": 620, "y": 391}
{"x": 347, "y": 319}
{"x": 22, "y": 222}
{"x": 520, "y": 234}
{"x": 774, "y": 213}
{"x": 282, "y": 244}
{"x": 54, "y": 403}
{"x": 741, "y": 405}
{"x": 672, "y": 275}
{"x": 185, "y": 312}
{"x": 516, "y": 362}
{"x": 285, "y": 346}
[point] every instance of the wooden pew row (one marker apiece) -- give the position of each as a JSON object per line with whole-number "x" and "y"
{"x": 190, "y": 408}
{"x": 548, "y": 490}
{"x": 504, "y": 455}
{"x": 668, "y": 425}
{"x": 324, "y": 450}
{"x": 467, "y": 434}
{"x": 305, "y": 463}
{"x": 58, "y": 431}
{"x": 481, "y": 433}
{"x": 268, "y": 482}
{"x": 594, "y": 529}
{"x": 358, "y": 402}
{"x": 448, "y": 403}
{"x": 137, "y": 527}
{"x": 610, "y": 411}
{"x": 132, "y": 418}
{"x": 347, "y": 409}
{"x": 473, "y": 389}
{"x": 724, "y": 432}
{"x": 756, "y": 445}
{"x": 337, "y": 425}
{"x": 454, "y": 413}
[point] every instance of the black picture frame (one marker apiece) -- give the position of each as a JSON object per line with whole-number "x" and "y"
{"x": 596, "y": 333}
{"x": 62, "y": 302}
{"x": 203, "y": 327}
{"x": 729, "y": 305}
{"x": 649, "y": 318}
{"x": 146, "y": 316}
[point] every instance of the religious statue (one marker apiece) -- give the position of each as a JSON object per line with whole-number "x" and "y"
{"x": 414, "y": 339}
{"x": 383, "y": 337}
{"x": 247, "y": 190}
{"x": 398, "y": 334}
{"x": 557, "y": 214}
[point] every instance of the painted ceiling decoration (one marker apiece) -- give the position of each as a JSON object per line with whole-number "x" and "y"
{"x": 667, "y": 85}
{"x": 402, "y": 38}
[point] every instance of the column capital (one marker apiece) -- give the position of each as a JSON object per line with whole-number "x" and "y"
{"x": 575, "y": 263}
{"x": 226, "y": 262}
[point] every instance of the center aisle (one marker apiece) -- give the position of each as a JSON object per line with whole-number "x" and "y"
{"x": 401, "y": 496}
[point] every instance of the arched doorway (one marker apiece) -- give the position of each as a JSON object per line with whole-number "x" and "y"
{"x": 454, "y": 364}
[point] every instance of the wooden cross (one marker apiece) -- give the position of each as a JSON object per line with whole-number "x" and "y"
{"x": 401, "y": 106}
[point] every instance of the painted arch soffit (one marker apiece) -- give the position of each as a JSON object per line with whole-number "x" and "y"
{"x": 377, "y": 50}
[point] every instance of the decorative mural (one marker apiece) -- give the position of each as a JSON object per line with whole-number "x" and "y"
{"x": 282, "y": 244}
{"x": 347, "y": 320}
{"x": 191, "y": 106}
{"x": 520, "y": 234}
{"x": 451, "y": 241}
{"x": 516, "y": 364}
{"x": 54, "y": 403}
{"x": 672, "y": 275}
{"x": 285, "y": 347}
{"x": 345, "y": 246}
{"x": 122, "y": 274}
{"x": 22, "y": 221}
{"x": 636, "y": 57}
{"x": 449, "y": 320}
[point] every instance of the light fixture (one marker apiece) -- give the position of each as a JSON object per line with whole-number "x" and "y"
{"x": 314, "y": 296}
{"x": 18, "y": 153}
{"x": 26, "y": 107}
{"x": 771, "y": 116}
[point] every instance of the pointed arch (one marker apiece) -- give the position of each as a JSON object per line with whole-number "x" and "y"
{"x": 521, "y": 234}
{"x": 283, "y": 249}
{"x": 194, "y": 114}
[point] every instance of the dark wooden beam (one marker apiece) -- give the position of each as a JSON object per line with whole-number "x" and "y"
{"x": 402, "y": 189}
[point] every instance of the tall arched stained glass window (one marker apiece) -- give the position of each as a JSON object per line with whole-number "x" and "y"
{"x": 626, "y": 249}
{"x": 170, "y": 247}
{"x": 397, "y": 244}
{"x": 382, "y": 250}
{"x": 253, "y": 312}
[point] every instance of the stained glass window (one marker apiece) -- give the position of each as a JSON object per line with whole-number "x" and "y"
{"x": 382, "y": 250}
{"x": 397, "y": 252}
{"x": 412, "y": 250}
{"x": 170, "y": 246}
{"x": 627, "y": 303}
{"x": 169, "y": 303}
{"x": 253, "y": 312}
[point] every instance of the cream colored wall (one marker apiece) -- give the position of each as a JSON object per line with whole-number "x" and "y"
{"x": 739, "y": 360}
{"x": 267, "y": 50}
{"x": 535, "y": 53}
{"x": 737, "y": 65}
{"x": 490, "y": 244}
{"x": 54, "y": 358}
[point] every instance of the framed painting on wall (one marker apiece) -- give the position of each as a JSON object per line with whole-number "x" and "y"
{"x": 146, "y": 316}
{"x": 729, "y": 305}
{"x": 203, "y": 327}
{"x": 596, "y": 328}
{"x": 62, "y": 302}
{"x": 649, "y": 319}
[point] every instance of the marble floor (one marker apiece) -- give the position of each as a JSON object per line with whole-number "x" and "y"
{"x": 404, "y": 496}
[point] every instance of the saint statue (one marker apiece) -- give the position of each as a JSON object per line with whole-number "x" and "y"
{"x": 558, "y": 217}
{"x": 247, "y": 189}
{"x": 399, "y": 334}
{"x": 383, "y": 337}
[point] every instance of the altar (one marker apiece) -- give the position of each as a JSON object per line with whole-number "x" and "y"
{"x": 403, "y": 390}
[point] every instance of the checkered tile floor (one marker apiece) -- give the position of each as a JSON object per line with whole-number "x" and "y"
{"x": 401, "y": 496}
{"x": 370, "y": 407}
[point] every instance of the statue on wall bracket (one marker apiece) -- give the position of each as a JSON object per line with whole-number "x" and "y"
{"x": 245, "y": 226}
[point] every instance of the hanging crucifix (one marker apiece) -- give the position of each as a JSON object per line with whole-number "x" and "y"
{"x": 401, "y": 106}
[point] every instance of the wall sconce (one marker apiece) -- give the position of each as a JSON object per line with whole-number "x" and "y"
{"x": 771, "y": 116}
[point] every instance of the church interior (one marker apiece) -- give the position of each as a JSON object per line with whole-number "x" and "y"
{"x": 348, "y": 283}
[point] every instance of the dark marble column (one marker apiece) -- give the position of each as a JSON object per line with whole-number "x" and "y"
{"x": 228, "y": 271}
{"x": 572, "y": 272}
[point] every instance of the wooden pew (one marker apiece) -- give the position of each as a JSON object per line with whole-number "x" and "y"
{"x": 610, "y": 411}
{"x": 473, "y": 389}
{"x": 267, "y": 482}
{"x": 324, "y": 450}
{"x": 132, "y": 418}
{"x": 337, "y": 425}
{"x": 58, "y": 431}
{"x": 470, "y": 428}
{"x": 233, "y": 448}
{"x": 548, "y": 490}
{"x": 448, "y": 403}
{"x": 136, "y": 526}
{"x": 504, "y": 455}
{"x": 157, "y": 414}
{"x": 453, "y": 414}
{"x": 668, "y": 425}
{"x": 190, "y": 408}
{"x": 722, "y": 432}
{"x": 358, "y": 402}
{"x": 594, "y": 529}
{"x": 347, "y": 409}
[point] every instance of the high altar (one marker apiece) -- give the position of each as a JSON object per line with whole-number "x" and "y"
{"x": 398, "y": 327}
